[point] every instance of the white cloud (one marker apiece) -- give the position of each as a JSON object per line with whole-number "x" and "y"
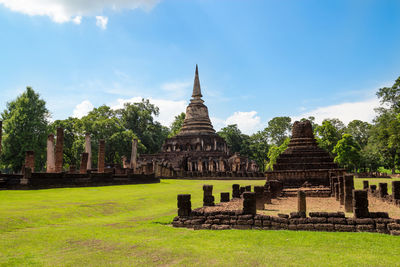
{"x": 101, "y": 22}
{"x": 82, "y": 109}
{"x": 61, "y": 11}
{"x": 346, "y": 112}
{"x": 247, "y": 122}
{"x": 168, "y": 108}
{"x": 77, "y": 20}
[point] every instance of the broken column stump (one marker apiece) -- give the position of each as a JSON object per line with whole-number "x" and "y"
{"x": 84, "y": 163}
{"x": 242, "y": 189}
{"x": 341, "y": 190}
{"x": 267, "y": 195}
{"x": 348, "y": 192}
{"x": 360, "y": 204}
{"x": 260, "y": 198}
{"x": 235, "y": 191}
{"x": 30, "y": 160}
{"x": 301, "y": 201}
{"x": 275, "y": 187}
{"x": 383, "y": 190}
{"x": 334, "y": 181}
{"x": 208, "y": 198}
{"x": 249, "y": 203}
{"x": 336, "y": 186}
{"x": 396, "y": 190}
{"x": 372, "y": 188}
{"x": 365, "y": 185}
{"x": 184, "y": 205}
{"x": 225, "y": 197}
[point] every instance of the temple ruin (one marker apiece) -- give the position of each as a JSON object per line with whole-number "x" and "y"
{"x": 197, "y": 150}
{"x": 304, "y": 162}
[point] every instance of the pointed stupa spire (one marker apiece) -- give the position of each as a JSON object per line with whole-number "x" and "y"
{"x": 196, "y": 85}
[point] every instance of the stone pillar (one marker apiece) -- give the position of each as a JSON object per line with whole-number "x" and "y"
{"x": 336, "y": 186}
{"x": 396, "y": 190}
{"x": 59, "y": 150}
{"x": 208, "y": 198}
{"x": 242, "y": 189}
{"x": 383, "y": 191}
{"x": 249, "y": 203}
{"x": 301, "y": 201}
{"x": 221, "y": 165}
{"x": 275, "y": 187}
{"x": 348, "y": 192}
{"x": 267, "y": 195}
{"x": 211, "y": 165}
{"x": 224, "y": 196}
{"x": 199, "y": 165}
{"x": 260, "y": 198}
{"x": 30, "y": 160}
{"x": 50, "y": 163}
{"x": 365, "y": 185}
{"x": 372, "y": 188}
{"x": 247, "y": 188}
{"x": 134, "y": 154}
{"x": 341, "y": 190}
{"x": 235, "y": 191}
{"x": 88, "y": 150}
{"x": 360, "y": 204}
{"x": 84, "y": 163}
{"x": 334, "y": 180}
{"x": 100, "y": 161}
{"x": 184, "y": 205}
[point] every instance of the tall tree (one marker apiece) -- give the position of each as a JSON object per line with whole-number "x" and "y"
{"x": 234, "y": 138}
{"x": 348, "y": 152}
{"x": 25, "y": 125}
{"x": 274, "y": 152}
{"x": 259, "y": 149}
{"x": 360, "y": 131}
{"x": 327, "y": 135}
{"x": 278, "y": 129}
{"x": 176, "y": 124}
{"x": 139, "y": 118}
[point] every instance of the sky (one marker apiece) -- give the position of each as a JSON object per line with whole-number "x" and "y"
{"x": 257, "y": 59}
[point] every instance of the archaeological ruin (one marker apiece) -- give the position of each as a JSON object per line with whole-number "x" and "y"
{"x": 197, "y": 151}
{"x": 360, "y": 210}
{"x": 304, "y": 162}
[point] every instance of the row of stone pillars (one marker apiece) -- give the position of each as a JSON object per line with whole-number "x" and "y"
{"x": 342, "y": 188}
{"x": 54, "y": 162}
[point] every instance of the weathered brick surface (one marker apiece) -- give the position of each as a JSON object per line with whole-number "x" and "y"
{"x": 59, "y": 150}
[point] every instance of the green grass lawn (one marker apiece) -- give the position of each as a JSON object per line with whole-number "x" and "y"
{"x": 129, "y": 225}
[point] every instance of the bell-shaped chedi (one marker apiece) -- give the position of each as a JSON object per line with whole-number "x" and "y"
{"x": 197, "y": 120}
{"x": 303, "y": 162}
{"x": 197, "y": 150}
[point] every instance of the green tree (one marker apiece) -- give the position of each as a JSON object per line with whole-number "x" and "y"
{"x": 274, "y": 152}
{"x": 348, "y": 152}
{"x": 327, "y": 135}
{"x": 360, "y": 131}
{"x": 25, "y": 126}
{"x": 138, "y": 117}
{"x": 176, "y": 124}
{"x": 259, "y": 149}
{"x": 236, "y": 141}
{"x": 391, "y": 96}
{"x": 278, "y": 129}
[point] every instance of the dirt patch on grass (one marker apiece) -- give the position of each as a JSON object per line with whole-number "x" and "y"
{"x": 95, "y": 244}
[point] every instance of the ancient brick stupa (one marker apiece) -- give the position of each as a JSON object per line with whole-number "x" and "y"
{"x": 303, "y": 163}
{"x": 197, "y": 150}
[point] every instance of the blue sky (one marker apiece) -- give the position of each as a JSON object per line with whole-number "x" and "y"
{"x": 257, "y": 59}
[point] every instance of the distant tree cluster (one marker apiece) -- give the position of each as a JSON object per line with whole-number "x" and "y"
{"x": 359, "y": 146}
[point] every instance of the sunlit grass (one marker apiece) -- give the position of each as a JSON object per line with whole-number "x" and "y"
{"x": 129, "y": 225}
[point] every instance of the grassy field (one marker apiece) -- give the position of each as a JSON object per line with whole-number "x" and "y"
{"x": 129, "y": 225}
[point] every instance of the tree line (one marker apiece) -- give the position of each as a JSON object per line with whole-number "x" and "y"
{"x": 357, "y": 146}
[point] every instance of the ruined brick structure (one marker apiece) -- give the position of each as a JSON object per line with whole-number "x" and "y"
{"x": 303, "y": 162}
{"x": 197, "y": 150}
